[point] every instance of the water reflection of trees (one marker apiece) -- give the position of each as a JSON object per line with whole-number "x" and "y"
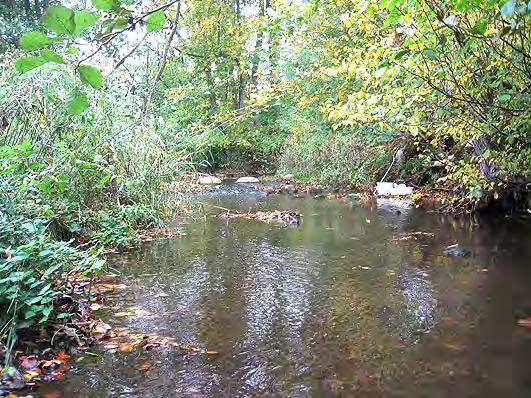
{"x": 335, "y": 304}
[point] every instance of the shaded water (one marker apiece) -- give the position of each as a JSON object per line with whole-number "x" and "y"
{"x": 339, "y": 306}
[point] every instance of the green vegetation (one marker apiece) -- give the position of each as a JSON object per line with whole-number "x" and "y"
{"x": 104, "y": 103}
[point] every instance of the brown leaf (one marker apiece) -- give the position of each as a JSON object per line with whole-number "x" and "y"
{"x": 126, "y": 347}
{"x": 144, "y": 366}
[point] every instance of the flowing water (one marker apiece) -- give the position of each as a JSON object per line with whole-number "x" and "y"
{"x": 348, "y": 303}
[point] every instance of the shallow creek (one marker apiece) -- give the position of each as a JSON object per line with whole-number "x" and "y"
{"x": 348, "y": 303}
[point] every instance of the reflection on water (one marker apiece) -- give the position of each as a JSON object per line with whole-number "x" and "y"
{"x": 336, "y": 307}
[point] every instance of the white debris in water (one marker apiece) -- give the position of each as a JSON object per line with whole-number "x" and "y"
{"x": 209, "y": 180}
{"x": 247, "y": 180}
{"x": 392, "y": 189}
{"x": 394, "y": 203}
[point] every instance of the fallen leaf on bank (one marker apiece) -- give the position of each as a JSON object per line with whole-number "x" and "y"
{"x": 51, "y": 364}
{"x": 211, "y": 352}
{"x": 29, "y": 362}
{"x": 140, "y": 312}
{"x": 126, "y": 347}
{"x": 99, "y": 329}
{"x": 63, "y": 356}
{"x": 122, "y": 314}
{"x": 144, "y": 366}
{"x": 525, "y": 322}
{"x": 161, "y": 294}
{"x": 31, "y": 374}
{"x": 455, "y": 346}
{"x": 111, "y": 346}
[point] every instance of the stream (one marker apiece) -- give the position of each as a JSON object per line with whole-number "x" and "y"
{"x": 352, "y": 302}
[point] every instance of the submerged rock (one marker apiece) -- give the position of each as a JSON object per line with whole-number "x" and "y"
{"x": 247, "y": 180}
{"x": 456, "y": 251}
{"x": 207, "y": 180}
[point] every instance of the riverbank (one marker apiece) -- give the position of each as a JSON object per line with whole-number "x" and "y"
{"x": 506, "y": 203}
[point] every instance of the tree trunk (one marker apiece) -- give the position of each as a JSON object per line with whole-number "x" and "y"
{"x": 12, "y": 4}
{"x": 213, "y": 100}
{"x": 27, "y": 8}
{"x": 258, "y": 47}
{"x": 487, "y": 170}
{"x": 38, "y": 11}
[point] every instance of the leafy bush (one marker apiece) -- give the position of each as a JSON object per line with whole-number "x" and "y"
{"x": 33, "y": 217}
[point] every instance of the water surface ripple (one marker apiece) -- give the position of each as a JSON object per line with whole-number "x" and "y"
{"x": 343, "y": 305}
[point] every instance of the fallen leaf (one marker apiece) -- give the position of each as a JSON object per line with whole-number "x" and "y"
{"x": 122, "y": 314}
{"x": 525, "y": 322}
{"x": 140, "y": 312}
{"x": 455, "y": 346}
{"x": 126, "y": 347}
{"x": 211, "y": 352}
{"x": 144, "y": 366}
{"x": 29, "y": 362}
{"x": 161, "y": 294}
{"x": 95, "y": 306}
{"x": 63, "y": 356}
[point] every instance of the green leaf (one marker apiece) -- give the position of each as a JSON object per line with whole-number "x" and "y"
{"x": 83, "y": 20}
{"x": 59, "y": 19}
{"x": 34, "y": 40}
{"x": 52, "y": 56}
{"x": 119, "y": 23}
{"x": 77, "y": 103}
{"x": 155, "y": 21}
{"x": 72, "y": 51}
{"x": 104, "y": 4}
{"x": 400, "y": 54}
{"x": 430, "y": 53}
{"x": 479, "y": 28}
{"x": 91, "y": 76}
{"x": 505, "y": 97}
{"x": 25, "y": 64}
{"x": 507, "y": 9}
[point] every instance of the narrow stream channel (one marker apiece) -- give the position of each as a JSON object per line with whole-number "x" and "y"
{"x": 349, "y": 303}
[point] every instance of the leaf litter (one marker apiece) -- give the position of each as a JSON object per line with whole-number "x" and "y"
{"x": 33, "y": 365}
